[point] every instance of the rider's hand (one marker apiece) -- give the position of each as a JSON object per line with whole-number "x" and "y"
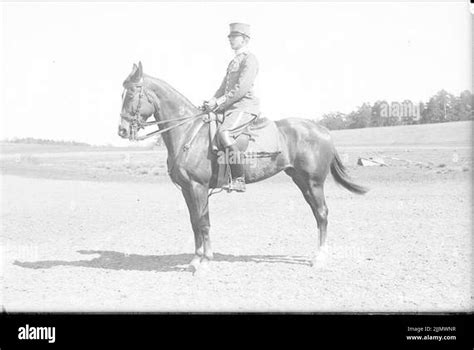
{"x": 211, "y": 104}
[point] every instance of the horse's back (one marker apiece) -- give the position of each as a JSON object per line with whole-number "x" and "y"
{"x": 301, "y": 129}
{"x": 308, "y": 147}
{"x": 260, "y": 123}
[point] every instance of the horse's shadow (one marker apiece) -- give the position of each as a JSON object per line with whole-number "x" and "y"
{"x": 160, "y": 263}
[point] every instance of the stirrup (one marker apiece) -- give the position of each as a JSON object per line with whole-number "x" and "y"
{"x": 237, "y": 185}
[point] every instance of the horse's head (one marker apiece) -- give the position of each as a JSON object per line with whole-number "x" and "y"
{"x": 137, "y": 106}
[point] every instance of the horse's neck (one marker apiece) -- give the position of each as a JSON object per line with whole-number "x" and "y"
{"x": 173, "y": 105}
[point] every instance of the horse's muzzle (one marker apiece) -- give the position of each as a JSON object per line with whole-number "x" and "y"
{"x": 122, "y": 132}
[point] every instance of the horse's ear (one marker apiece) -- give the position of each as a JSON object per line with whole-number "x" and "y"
{"x": 140, "y": 69}
{"x": 132, "y": 76}
{"x": 136, "y": 74}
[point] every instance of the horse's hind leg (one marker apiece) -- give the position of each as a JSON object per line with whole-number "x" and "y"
{"x": 313, "y": 192}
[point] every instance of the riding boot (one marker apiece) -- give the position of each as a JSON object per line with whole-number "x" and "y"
{"x": 237, "y": 170}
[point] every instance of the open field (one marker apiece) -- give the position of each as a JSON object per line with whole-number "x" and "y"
{"x": 442, "y": 148}
{"x": 456, "y": 134}
{"x": 105, "y": 230}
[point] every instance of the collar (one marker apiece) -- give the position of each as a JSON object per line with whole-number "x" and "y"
{"x": 244, "y": 49}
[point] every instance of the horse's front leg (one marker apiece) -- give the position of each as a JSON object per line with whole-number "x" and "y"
{"x": 196, "y": 196}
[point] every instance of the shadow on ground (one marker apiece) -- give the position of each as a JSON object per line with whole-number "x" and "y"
{"x": 161, "y": 263}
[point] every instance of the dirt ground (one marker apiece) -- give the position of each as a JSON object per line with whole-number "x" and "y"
{"x": 111, "y": 233}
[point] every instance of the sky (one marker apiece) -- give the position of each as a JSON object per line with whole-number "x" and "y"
{"x": 63, "y": 64}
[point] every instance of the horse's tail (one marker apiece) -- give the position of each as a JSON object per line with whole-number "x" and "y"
{"x": 338, "y": 171}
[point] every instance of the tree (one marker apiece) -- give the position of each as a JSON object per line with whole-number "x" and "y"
{"x": 462, "y": 106}
{"x": 361, "y": 118}
{"x": 377, "y": 117}
{"x": 442, "y": 107}
{"x": 439, "y": 108}
{"x": 333, "y": 121}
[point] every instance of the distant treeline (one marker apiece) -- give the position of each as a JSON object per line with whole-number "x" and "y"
{"x": 442, "y": 107}
{"x": 44, "y": 141}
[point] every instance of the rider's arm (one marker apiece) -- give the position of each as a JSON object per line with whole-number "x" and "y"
{"x": 244, "y": 83}
{"x": 218, "y": 97}
{"x": 220, "y": 92}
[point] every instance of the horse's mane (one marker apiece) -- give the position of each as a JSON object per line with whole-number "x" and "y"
{"x": 167, "y": 87}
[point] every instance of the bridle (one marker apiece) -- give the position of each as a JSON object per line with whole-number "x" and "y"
{"x": 134, "y": 117}
{"x": 136, "y": 124}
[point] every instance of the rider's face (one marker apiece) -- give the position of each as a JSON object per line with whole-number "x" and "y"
{"x": 237, "y": 41}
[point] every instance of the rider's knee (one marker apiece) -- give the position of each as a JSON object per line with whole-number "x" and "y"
{"x": 225, "y": 139}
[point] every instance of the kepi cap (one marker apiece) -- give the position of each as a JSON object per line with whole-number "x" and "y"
{"x": 239, "y": 28}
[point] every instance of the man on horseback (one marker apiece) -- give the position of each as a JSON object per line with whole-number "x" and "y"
{"x": 235, "y": 99}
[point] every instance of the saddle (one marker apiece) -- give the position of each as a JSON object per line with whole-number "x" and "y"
{"x": 249, "y": 133}
{"x": 259, "y": 139}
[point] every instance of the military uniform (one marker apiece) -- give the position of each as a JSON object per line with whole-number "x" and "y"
{"x": 235, "y": 97}
{"x": 235, "y": 92}
{"x": 236, "y": 101}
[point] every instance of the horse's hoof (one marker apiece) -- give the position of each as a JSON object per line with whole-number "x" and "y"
{"x": 204, "y": 268}
{"x": 194, "y": 264}
{"x": 321, "y": 259}
{"x": 208, "y": 256}
{"x": 319, "y": 263}
{"x": 192, "y": 268}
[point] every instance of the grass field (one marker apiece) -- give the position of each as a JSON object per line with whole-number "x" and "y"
{"x": 439, "y": 147}
{"x": 456, "y": 134}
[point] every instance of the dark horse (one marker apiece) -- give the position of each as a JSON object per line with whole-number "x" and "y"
{"x": 307, "y": 154}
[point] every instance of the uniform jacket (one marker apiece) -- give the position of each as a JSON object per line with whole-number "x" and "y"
{"x": 235, "y": 92}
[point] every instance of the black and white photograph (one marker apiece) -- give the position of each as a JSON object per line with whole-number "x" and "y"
{"x": 236, "y": 157}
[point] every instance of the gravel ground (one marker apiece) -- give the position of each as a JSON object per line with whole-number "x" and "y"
{"x": 74, "y": 245}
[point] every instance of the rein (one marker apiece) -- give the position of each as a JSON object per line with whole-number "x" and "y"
{"x": 161, "y": 131}
{"x": 137, "y": 124}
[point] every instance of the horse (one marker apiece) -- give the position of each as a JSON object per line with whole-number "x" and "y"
{"x": 307, "y": 155}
